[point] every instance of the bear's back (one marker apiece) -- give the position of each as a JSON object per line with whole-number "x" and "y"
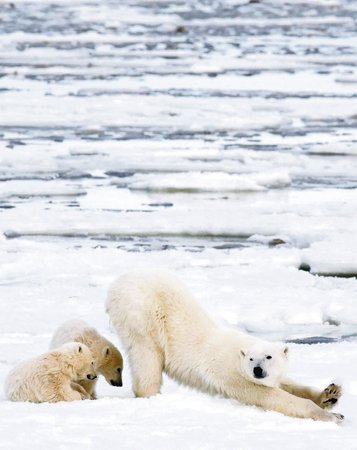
{"x": 154, "y": 303}
{"x": 74, "y": 330}
{"x": 24, "y": 379}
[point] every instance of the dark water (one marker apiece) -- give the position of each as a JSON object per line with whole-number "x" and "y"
{"x": 103, "y": 94}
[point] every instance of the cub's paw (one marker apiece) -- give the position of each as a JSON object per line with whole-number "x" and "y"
{"x": 329, "y": 396}
{"x": 85, "y": 396}
{"x": 338, "y": 418}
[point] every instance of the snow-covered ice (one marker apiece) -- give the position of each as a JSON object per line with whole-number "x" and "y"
{"x": 216, "y": 139}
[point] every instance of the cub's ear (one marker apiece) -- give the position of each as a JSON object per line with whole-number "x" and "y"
{"x": 286, "y": 351}
{"x": 242, "y": 353}
{"x": 107, "y": 351}
{"x": 80, "y": 349}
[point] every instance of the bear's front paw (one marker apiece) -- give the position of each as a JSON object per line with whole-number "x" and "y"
{"x": 338, "y": 418}
{"x": 85, "y": 396}
{"x": 329, "y": 396}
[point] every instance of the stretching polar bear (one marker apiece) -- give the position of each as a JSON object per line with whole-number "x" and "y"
{"x": 52, "y": 376}
{"x": 164, "y": 329}
{"x": 108, "y": 359}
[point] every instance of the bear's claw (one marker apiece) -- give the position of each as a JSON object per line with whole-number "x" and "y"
{"x": 338, "y": 417}
{"x": 329, "y": 396}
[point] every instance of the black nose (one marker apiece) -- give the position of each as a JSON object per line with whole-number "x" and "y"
{"x": 258, "y": 372}
{"x": 116, "y": 383}
{"x": 91, "y": 377}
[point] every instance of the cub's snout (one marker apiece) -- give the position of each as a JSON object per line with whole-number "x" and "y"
{"x": 91, "y": 376}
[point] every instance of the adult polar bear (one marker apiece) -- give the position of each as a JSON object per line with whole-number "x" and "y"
{"x": 164, "y": 329}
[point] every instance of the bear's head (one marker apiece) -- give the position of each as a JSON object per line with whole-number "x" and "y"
{"x": 111, "y": 366}
{"x": 265, "y": 365}
{"x": 79, "y": 360}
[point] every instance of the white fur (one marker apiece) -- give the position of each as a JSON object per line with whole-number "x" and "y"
{"x": 265, "y": 363}
{"x": 52, "y": 376}
{"x": 164, "y": 329}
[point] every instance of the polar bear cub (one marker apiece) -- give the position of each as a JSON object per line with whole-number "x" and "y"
{"x": 52, "y": 376}
{"x": 108, "y": 359}
{"x": 163, "y": 329}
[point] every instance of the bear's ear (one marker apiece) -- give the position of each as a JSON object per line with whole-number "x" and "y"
{"x": 242, "y": 353}
{"x": 80, "y": 349}
{"x": 107, "y": 352}
{"x": 286, "y": 351}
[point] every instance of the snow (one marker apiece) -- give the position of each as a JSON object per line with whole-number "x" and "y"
{"x": 201, "y": 181}
{"x": 61, "y": 281}
{"x": 179, "y": 418}
{"x": 224, "y": 151}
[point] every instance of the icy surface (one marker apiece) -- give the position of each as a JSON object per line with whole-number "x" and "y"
{"x": 216, "y": 139}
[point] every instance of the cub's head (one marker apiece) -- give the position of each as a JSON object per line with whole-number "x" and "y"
{"x": 265, "y": 365}
{"x": 79, "y": 359}
{"x": 111, "y": 365}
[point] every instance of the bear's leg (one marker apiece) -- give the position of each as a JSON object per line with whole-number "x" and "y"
{"x": 275, "y": 399}
{"x": 146, "y": 363}
{"x": 61, "y": 393}
{"x": 326, "y": 399}
{"x": 89, "y": 387}
{"x": 81, "y": 389}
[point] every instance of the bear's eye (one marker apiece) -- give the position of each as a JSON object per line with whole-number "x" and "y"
{"x": 250, "y": 359}
{"x": 269, "y": 357}
{"x": 118, "y": 369}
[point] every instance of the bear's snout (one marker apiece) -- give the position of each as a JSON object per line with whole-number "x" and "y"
{"x": 91, "y": 377}
{"x": 116, "y": 383}
{"x": 258, "y": 372}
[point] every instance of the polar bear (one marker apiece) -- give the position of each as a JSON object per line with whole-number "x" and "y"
{"x": 108, "y": 360}
{"x": 264, "y": 363}
{"x": 163, "y": 329}
{"x": 52, "y": 376}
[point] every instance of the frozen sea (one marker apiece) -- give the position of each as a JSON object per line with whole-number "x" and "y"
{"x": 213, "y": 138}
